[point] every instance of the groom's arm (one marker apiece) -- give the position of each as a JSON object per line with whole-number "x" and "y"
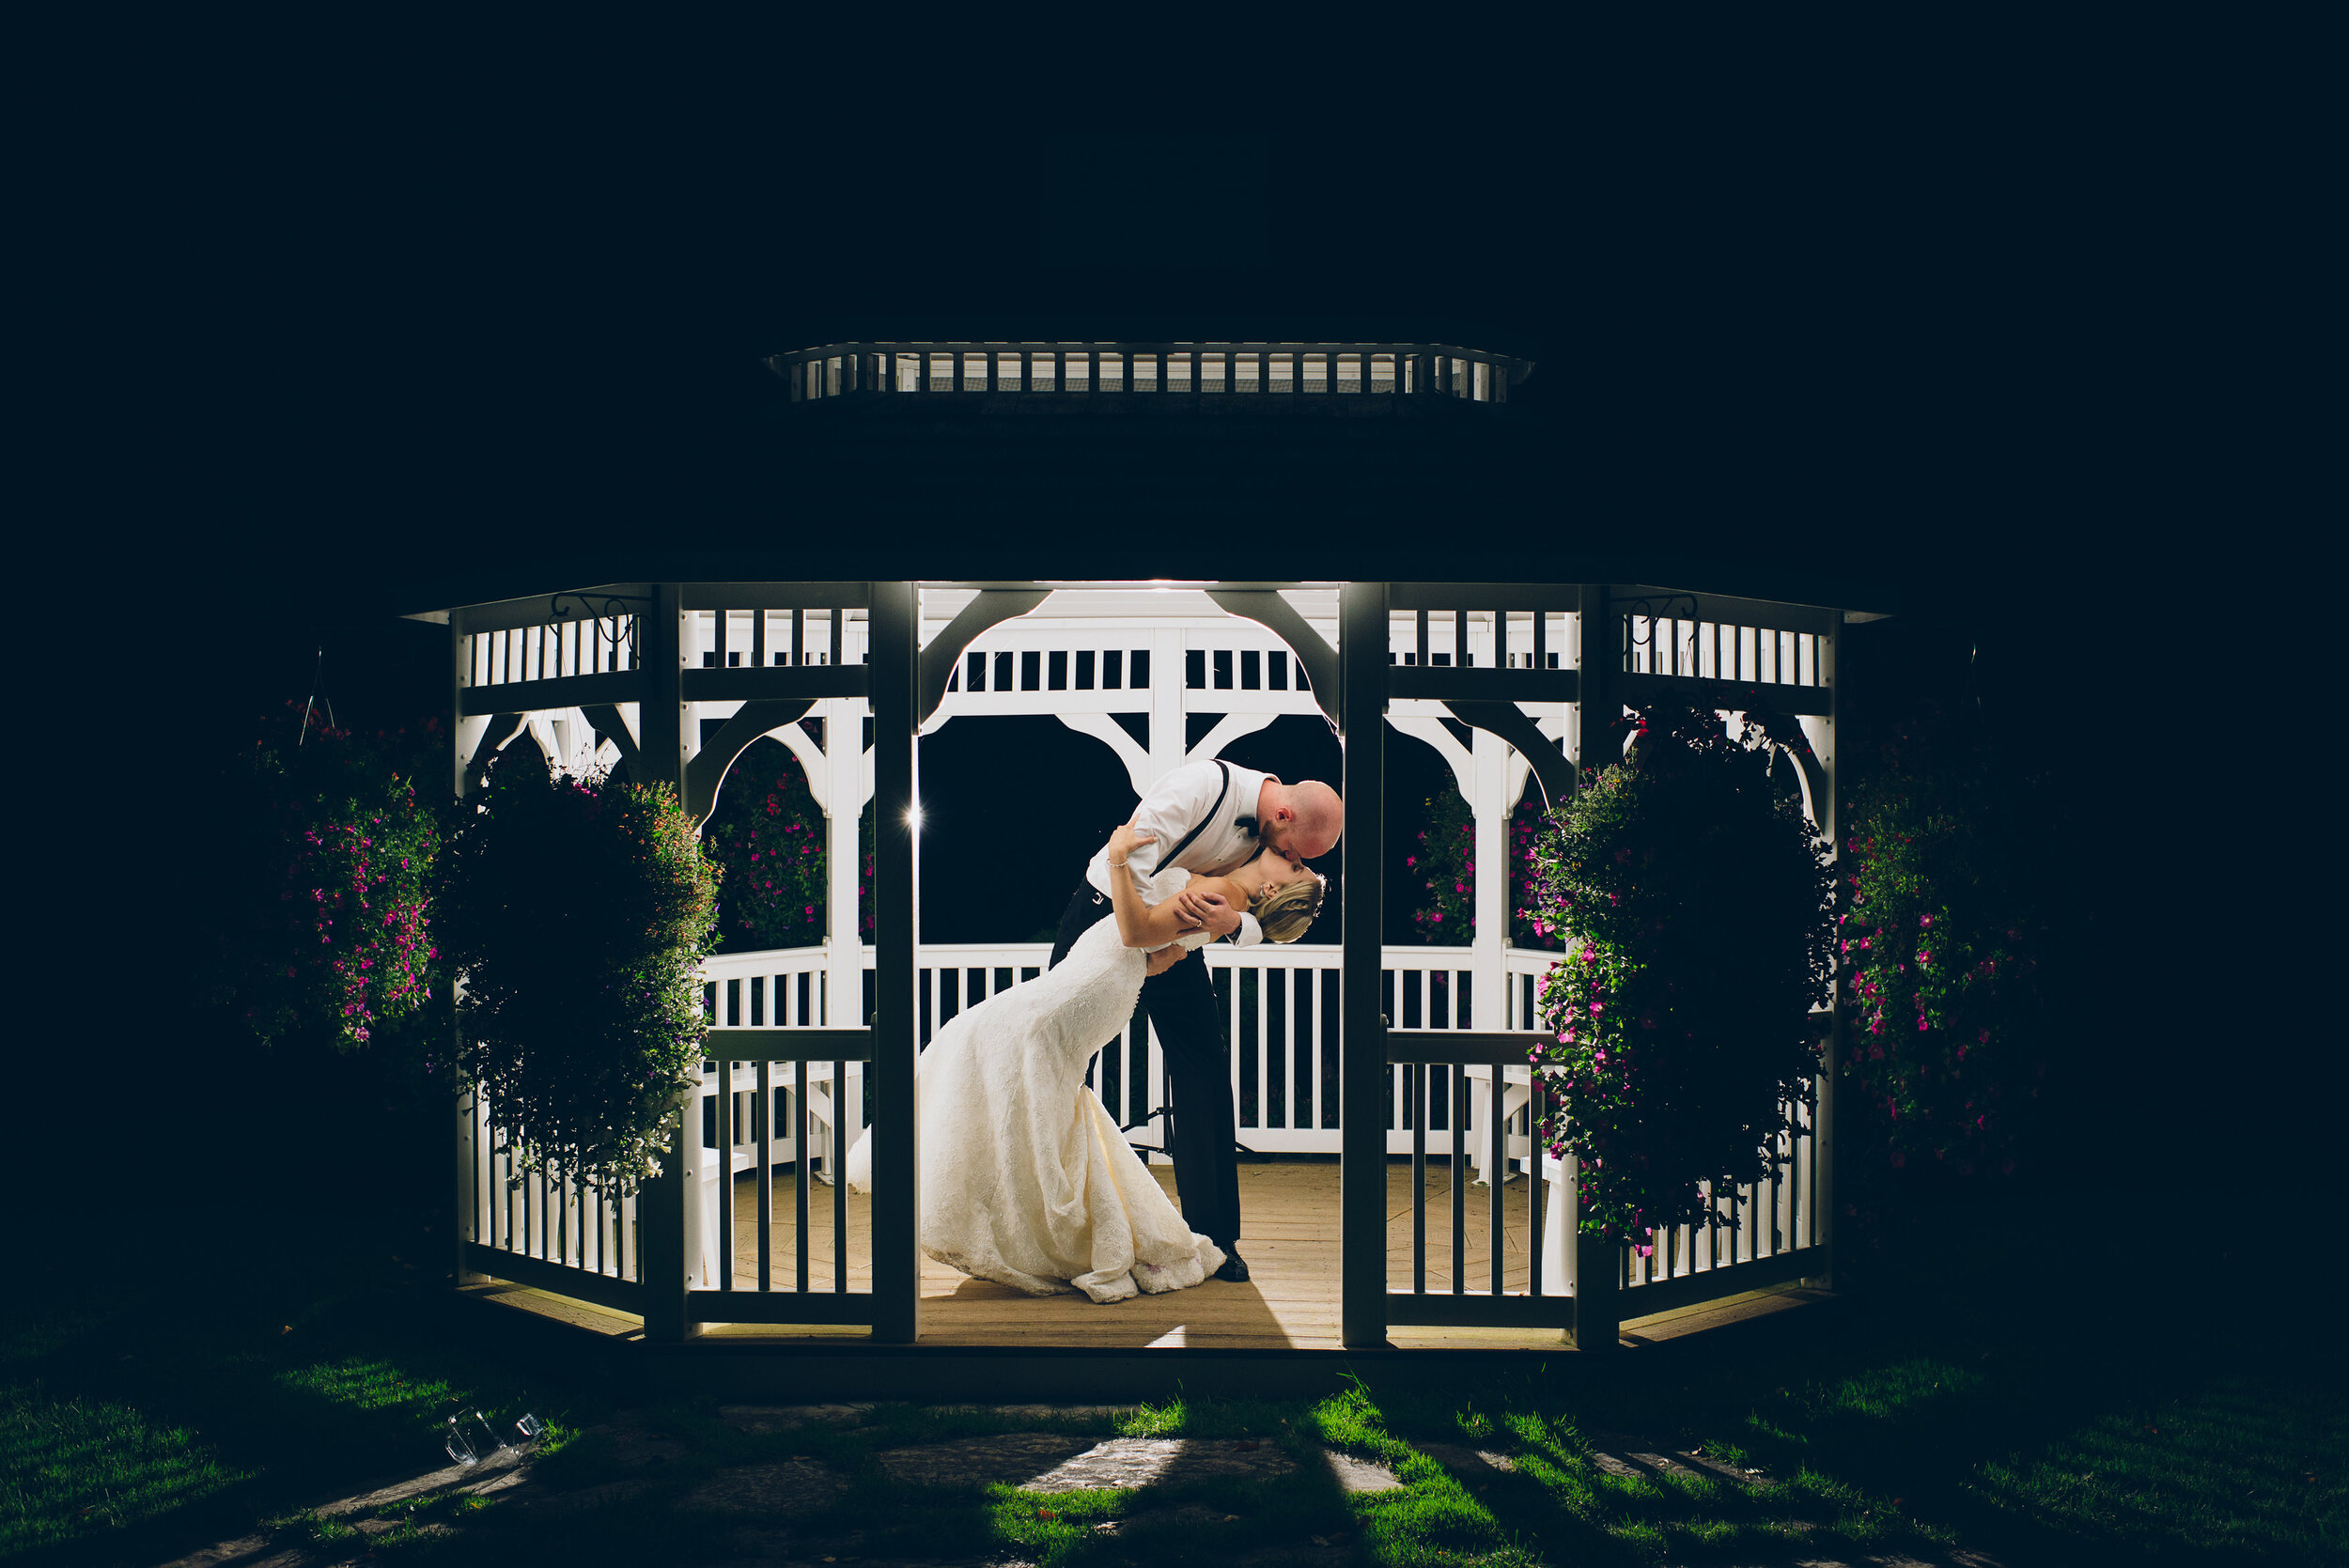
{"x": 1179, "y": 802}
{"x": 1176, "y": 804}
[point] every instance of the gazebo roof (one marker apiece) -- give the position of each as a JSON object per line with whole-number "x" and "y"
{"x": 878, "y": 484}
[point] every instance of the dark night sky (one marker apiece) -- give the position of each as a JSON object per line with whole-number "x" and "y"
{"x": 1857, "y": 369}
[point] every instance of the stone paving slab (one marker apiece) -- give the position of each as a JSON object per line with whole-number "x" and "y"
{"x": 790, "y": 1418}
{"x": 1363, "y": 1474}
{"x": 1056, "y": 1462}
{"x": 504, "y": 1469}
{"x": 780, "y": 1486}
{"x": 1956, "y": 1557}
{"x": 1630, "y": 1455}
{"x": 1469, "y": 1464}
{"x": 551, "y": 1504}
{"x": 1134, "y": 1463}
{"x": 632, "y": 1443}
{"x": 1014, "y": 1458}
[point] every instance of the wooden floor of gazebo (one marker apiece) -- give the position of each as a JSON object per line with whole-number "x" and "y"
{"x": 1290, "y": 1241}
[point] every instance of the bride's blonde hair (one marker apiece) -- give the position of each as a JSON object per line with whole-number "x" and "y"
{"x": 1286, "y": 911}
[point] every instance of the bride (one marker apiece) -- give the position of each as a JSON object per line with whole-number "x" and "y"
{"x": 1025, "y": 1177}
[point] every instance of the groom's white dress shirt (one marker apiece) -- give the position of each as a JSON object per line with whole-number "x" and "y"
{"x": 1175, "y": 805}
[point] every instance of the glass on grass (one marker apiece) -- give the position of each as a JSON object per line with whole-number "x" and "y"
{"x": 461, "y": 1447}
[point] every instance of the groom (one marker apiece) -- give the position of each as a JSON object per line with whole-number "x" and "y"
{"x": 1211, "y": 818}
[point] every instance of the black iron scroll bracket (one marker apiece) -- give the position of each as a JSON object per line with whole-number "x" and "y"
{"x": 601, "y": 608}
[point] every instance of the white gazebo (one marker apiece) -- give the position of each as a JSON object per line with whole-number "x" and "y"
{"x": 1430, "y": 1224}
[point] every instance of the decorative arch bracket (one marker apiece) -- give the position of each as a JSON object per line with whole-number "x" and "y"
{"x": 991, "y": 606}
{"x": 707, "y": 770}
{"x": 1269, "y": 610}
{"x": 1541, "y": 753}
{"x": 501, "y": 728}
{"x": 608, "y": 723}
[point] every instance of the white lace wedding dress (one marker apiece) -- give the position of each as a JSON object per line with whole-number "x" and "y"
{"x": 1025, "y": 1177}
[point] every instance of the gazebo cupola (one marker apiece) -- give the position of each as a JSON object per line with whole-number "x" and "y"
{"x": 1303, "y": 371}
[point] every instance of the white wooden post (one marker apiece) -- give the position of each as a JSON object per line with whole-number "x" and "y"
{"x": 1168, "y": 701}
{"x": 1490, "y": 889}
{"x": 848, "y": 783}
{"x": 701, "y": 1195}
{"x": 1820, "y": 734}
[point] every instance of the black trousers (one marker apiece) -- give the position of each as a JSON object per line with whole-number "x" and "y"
{"x": 1201, "y": 1132}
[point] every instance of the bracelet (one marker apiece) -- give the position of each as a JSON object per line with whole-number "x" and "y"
{"x": 1120, "y": 865}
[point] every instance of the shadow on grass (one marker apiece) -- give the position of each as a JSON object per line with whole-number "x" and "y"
{"x": 656, "y": 1520}
{"x": 150, "y": 1424}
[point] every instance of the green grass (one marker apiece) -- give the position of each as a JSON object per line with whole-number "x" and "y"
{"x": 77, "y": 1467}
{"x": 140, "y": 1430}
{"x": 140, "y": 1427}
{"x": 2247, "y": 1467}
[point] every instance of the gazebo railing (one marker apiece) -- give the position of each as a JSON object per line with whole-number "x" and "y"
{"x": 547, "y": 1230}
{"x": 1280, "y": 1017}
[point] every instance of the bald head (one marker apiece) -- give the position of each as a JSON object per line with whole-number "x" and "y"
{"x": 1314, "y": 817}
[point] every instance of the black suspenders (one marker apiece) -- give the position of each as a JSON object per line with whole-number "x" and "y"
{"x": 1168, "y": 859}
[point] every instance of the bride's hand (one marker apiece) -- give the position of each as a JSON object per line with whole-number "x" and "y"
{"x": 1124, "y": 842}
{"x": 1163, "y": 959}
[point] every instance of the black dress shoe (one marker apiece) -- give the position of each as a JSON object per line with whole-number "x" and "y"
{"x": 1235, "y": 1268}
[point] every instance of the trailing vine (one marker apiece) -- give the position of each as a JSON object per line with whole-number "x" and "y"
{"x": 579, "y": 912}
{"x": 1698, "y": 908}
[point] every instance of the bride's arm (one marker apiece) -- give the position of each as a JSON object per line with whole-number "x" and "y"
{"x": 1140, "y": 924}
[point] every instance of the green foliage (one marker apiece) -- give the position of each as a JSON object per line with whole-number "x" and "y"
{"x": 579, "y": 912}
{"x": 1697, "y": 906}
{"x": 322, "y": 927}
{"x": 1939, "y": 939}
{"x": 769, "y": 845}
{"x": 1443, "y": 862}
{"x": 1528, "y": 926}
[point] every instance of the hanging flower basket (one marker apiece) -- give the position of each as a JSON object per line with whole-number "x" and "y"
{"x": 1940, "y": 951}
{"x": 579, "y": 912}
{"x": 324, "y": 926}
{"x": 1697, "y": 906}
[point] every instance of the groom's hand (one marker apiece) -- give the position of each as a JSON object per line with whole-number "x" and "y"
{"x": 1208, "y": 910}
